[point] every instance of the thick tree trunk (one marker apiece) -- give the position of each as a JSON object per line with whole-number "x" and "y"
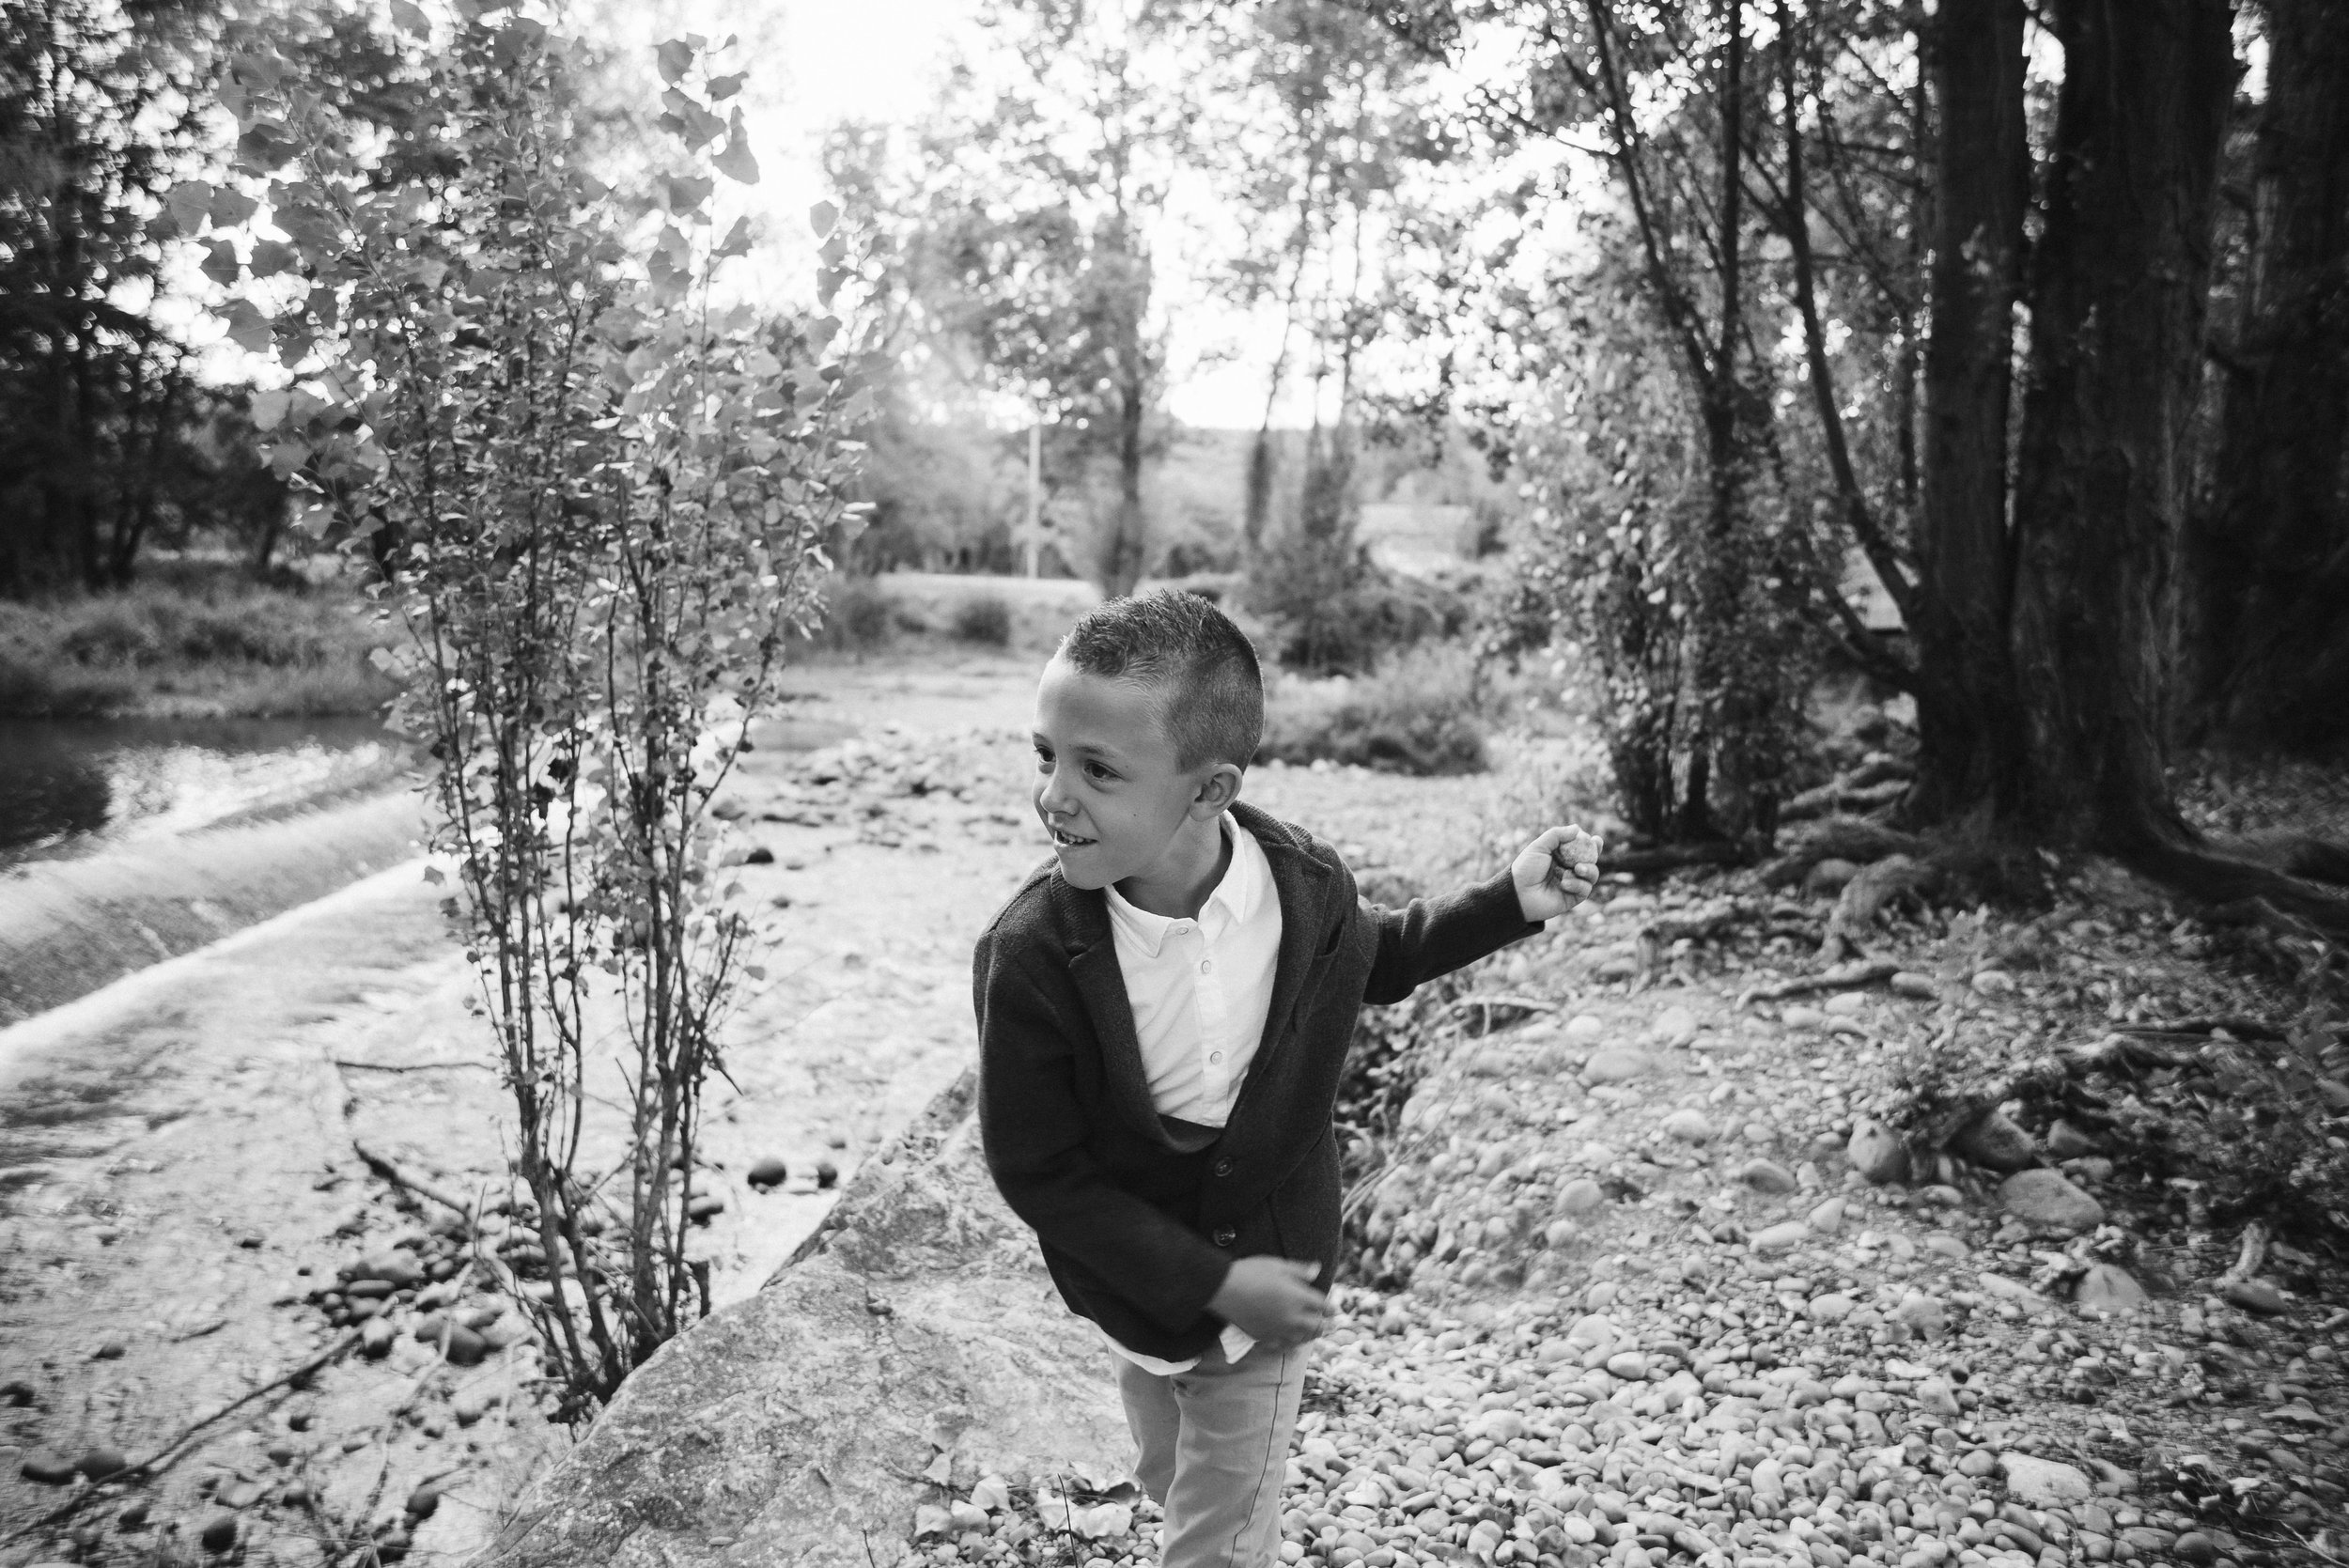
{"x": 2270, "y": 550}
{"x": 2120, "y": 295}
{"x": 1970, "y": 746}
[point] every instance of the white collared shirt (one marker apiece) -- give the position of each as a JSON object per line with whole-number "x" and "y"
{"x": 1200, "y": 990}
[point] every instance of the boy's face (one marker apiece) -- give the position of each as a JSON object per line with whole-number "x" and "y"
{"x": 1109, "y": 784}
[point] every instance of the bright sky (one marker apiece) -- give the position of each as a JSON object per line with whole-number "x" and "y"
{"x": 814, "y": 63}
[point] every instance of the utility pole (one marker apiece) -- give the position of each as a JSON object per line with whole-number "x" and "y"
{"x": 1035, "y": 496}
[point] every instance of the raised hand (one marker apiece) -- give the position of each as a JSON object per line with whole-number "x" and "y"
{"x": 1556, "y": 872}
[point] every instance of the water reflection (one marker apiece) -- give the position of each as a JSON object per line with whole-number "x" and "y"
{"x": 69, "y": 787}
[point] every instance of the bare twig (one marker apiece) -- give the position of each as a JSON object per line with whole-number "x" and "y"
{"x": 165, "y": 1456}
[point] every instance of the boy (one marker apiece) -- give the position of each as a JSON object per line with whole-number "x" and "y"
{"x": 1163, "y": 1013}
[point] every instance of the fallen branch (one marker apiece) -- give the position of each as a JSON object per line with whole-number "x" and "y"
{"x": 409, "y": 1066}
{"x": 389, "y": 1169}
{"x": 1843, "y": 977}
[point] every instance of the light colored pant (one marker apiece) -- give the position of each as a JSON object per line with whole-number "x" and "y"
{"x": 1214, "y": 1445}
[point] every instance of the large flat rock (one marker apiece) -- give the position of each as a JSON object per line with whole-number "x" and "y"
{"x": 796, "y": 1426}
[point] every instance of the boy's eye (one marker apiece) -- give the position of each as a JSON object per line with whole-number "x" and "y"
{"x": 1099, "y": 771}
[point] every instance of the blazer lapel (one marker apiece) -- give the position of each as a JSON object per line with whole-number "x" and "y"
{"x": 1101, "y": 985}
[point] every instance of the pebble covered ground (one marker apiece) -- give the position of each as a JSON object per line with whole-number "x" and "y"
{"x": 1640, "y": 1305}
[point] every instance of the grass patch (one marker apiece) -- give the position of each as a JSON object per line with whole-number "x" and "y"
{"x": 1416, "y": 713}
{"x": 194, "y": 641}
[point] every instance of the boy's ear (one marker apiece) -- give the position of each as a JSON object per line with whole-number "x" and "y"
{"x": 1217, "y": 791}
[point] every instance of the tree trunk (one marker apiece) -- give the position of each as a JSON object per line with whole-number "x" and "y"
{"x": 2120, "y": 289}
{"x": 1971, "y": 748}
{"x": 2270, "y": 550}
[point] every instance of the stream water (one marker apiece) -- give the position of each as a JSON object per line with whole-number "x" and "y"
{"x": 70, "y": 788}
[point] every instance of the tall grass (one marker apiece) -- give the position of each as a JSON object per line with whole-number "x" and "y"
{"x": 194, "y": 641}
{"x": 1417, "y": 712}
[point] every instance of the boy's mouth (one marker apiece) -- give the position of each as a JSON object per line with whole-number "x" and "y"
{"x": 1066, "y": 840}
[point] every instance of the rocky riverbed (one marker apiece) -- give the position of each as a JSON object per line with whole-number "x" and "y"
{"x": 1637, "y": 1298}
{"x": 1639, "y": 1273}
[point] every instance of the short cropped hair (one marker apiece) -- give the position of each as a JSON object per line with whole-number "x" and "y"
{"x": 1182, "y": 645}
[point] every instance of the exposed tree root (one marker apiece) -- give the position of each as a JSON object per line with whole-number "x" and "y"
{"x": 1843, "y": 795}
{"x": 2293, "y": 905}
{"x": 1865, "y": 897}
{"x": 2301, "y": 855}
{"x": 1839, "y": 838}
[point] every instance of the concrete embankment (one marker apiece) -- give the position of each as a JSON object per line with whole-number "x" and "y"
{"x": 68, "y": 927}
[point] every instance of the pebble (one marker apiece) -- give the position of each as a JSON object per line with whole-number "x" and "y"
{"x": 1580, "y": 1196}
{"x": 1674, "y": 1026}
{"x": 397, "y": 1269}
{"x": 2046, "y": 1199}
{"x": 48, "y": 1467}
{"x": 1828, "y": 1218}
{"x": 1802, "y": 1017}
{"x": 1996, "y": 1143}
{"x": 2255, "y": 1296}
{"x": 219, "y": 1533}
{"x": 376, "y": 1338}
{"x": 1768, "y": 1176}
{"x": 768, "y": 1172}
{"x": 1876, "y": 1152}
{"x": 1844, "y": 1004}
{"x": 99, "y": 1463}
{"x": 1829, "y": 876}
{"x": 1925, "y": 1316}
{"x": 1585, "y": 1027}
{"x": 2044, "y": 1482}
{"x": 2066, "y": 1142}
{"x": 1689, "y": 1126}
{"x": 1615, "y": 1065}
{"x": 1780, "y": 1237}
{"x": 1919, "y": 987}
{"x": 2111, "y": 1287}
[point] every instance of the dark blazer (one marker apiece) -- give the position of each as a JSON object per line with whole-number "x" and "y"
{"x": 1139, "y": 1223}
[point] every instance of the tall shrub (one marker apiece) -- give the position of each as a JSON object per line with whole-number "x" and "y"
{"x": 602, "y": 500}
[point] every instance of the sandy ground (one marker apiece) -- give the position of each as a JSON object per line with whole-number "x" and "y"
{"x": 178, "y": 1165}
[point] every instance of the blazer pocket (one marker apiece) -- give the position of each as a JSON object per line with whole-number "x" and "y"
{"x": 1329, "y": 944}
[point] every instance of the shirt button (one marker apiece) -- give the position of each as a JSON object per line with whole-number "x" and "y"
{"x": 1215, "y": 1056}
{"x": 1224, "y": 1167}
{"x": 1225, "y": 1236}
{"x": 1206, "y": 966}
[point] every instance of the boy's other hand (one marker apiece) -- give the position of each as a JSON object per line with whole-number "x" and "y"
{"x": 1556, "y": 872}
{"x": 1272, "y": 1299}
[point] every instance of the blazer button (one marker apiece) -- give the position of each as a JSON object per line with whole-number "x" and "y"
{"x": 1225, "y": 1236}
{"x": 1224, "y": 1167}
